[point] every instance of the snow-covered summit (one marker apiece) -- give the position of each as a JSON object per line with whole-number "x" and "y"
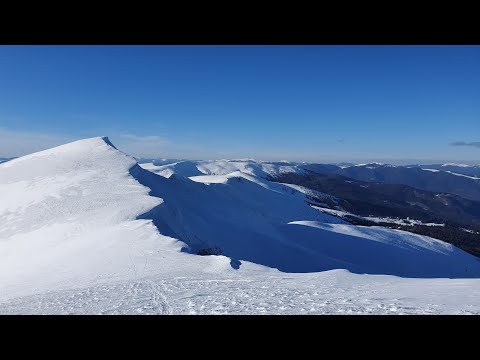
{"x": 75, "y": 148}
{"x": 68, "y": 217}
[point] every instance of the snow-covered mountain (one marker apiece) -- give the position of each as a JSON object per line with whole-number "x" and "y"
{"x": 84, "y": 228}
{"x": 188, "y": 168}
{"x": 425, "y": 177}
{"x": 469, "y": 170}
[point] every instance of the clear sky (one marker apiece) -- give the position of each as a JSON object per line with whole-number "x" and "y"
{"x": 300, "y": 103}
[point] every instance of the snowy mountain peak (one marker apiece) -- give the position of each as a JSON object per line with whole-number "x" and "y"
{"x": 83, "y": 145}
{"x": 107, "y": 141}
{"x": 374, "y": 165}
{"x": 78, "y": 147}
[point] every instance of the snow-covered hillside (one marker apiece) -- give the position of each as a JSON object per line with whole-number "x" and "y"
{"x": 84, "y": 228}
{"x": 222, "y": 167}
{"x": 250, "y": 218}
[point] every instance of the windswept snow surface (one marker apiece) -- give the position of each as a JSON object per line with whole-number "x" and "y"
{"x": 68, "y": 217}
{"x": 85, "y": 229}
{"x": 264, "y": 292}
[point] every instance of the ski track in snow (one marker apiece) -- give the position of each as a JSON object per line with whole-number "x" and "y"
{"x": 331, "y": 292}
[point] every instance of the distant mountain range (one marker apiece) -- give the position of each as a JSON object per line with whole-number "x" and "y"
{"x": 451, "y": 179}
{"x": 469, "y": 170}
{"x": 393, "y": 200}
{"x": 399, "y": 192}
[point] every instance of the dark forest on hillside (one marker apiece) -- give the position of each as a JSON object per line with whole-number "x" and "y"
{"x": 398, "y": 201}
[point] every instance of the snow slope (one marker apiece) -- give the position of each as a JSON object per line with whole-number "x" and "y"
{"x": 93, "y": 232}
{"x": 328, "y": 292}
{"x": 68, "y": 216}
{"x": 252, "y": 219}
{"x": 183, "y": 168}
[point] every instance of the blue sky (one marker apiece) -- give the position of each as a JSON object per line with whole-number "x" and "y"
{"x": 300, "y": 103}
